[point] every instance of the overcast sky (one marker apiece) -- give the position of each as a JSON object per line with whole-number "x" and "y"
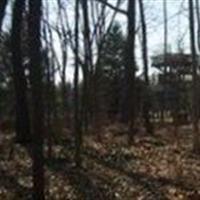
{"x": 177, "y": 26}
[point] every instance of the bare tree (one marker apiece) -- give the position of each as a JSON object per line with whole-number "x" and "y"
{"x": 165, "y": 16}
{"x": 77, "y": 124}
{"x": 146, "y": 108}
{"x": 48, "y": 93}
{"x": 62, "y": 35}
{"x": 21, "y": 104}
{"x": 88, "y": 65}
{"x": 93, "y": 44}
{"x": 116, "y": 8}
{"x": 100, "y": 34}
{"x": 130, "y": 68}
{"x": 198, "y": 23}
{"x": 55, "y": 64}
{"x": 196, "y": 138}
{"x": 36, "y": 76}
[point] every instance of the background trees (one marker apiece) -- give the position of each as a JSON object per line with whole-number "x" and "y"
{"x": 80, "y": 81}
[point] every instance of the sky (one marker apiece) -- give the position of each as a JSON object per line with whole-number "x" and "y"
{"x": 177, "y": 27}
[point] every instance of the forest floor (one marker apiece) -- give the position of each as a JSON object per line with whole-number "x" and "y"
{"x": 155, "y": 167}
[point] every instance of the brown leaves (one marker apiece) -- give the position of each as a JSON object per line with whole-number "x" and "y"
{"x": 151, "y": 168}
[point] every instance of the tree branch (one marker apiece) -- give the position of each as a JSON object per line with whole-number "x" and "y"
{"x": 113, "y": 7}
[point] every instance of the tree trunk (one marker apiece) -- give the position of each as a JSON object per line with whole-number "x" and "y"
{"x": 77, "y": 125}
{"x": 63, "y": 43}
{"x": 130, "y": 68}
{"x": 198, "y": 23}
{"x": 22, "y": 112}
{"x": 64, "y": 84}
{"x": 36, "y": 73}
{"x": 196, "y": 141}
{"x": 48, "y": 100}
{"x": 148, "y": 125}
{"x": 164, "y": 102}
{"x": 49, "y": 127}
{"x": 87, "y": 68}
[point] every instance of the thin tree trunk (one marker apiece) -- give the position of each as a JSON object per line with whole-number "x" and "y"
{"x": 21, "y": 104}
{"x": 196, "y": 141}
{"x": 36, "y": 73}
{"x": 198, "y": 23}
{"x": 64, "y": 84}
{"x": 48, "y": 96}
{"x": 87, "y": 68}
{"x": 53, "y": 66}
{"x": 164, "y": 103}
{"x": 49, "y": 127}
{"x": 130, "y": 68}
{"x": 148, "y": 125}
{"x": 77, "y": 124}
{"x": 63, "y": 43}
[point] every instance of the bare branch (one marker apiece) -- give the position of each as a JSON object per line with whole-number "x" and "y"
{"x": 113, "y": 7}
